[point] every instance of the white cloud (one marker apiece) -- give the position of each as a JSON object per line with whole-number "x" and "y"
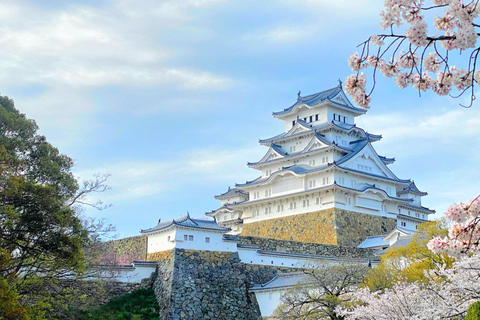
{"x": 132, "y": 180}
{"x": 283, "y": 34}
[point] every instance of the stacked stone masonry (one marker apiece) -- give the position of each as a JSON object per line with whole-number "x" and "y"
{"x": 307, "y": 248}
{"x": 193, "y": 284}
{"x": 332, "y": 226}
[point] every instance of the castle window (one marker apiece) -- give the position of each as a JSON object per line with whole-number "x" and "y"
{"x": 190, "y": 238}
{"x": 304, "y": 203}
{"x": 316, "y": 117}
{"x": 318, "y": 201}
{"x": 404, "y": 224}
{"x": 185, "y": 237}
{"x": 207, "y": 240}
{"x": 293, "y": 123}
{"x": 168, "y": 239}
{"x": 311, "y": 118}
{"x": 305, "y": 119}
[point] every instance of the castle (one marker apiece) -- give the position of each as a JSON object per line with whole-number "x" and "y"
{"x": 324, "y": 196}
{"x": 323, "y": 171}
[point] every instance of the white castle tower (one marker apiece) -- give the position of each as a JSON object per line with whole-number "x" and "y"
{"x": 321, "y": 180}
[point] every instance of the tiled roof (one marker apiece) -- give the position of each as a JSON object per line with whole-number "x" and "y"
{"x": 284, "y": 280}
{"x": 412, "y": 188}
{"x": 324, "y": 127}
{"x": 186, "y": 221}
{"x": 374, "y": 242}
{"x": 230, "y": 192}
{"x": 318, "y": 97}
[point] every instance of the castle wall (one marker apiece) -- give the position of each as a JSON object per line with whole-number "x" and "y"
{"x": 331, "y": 226}
{"x": 308, "y": 248}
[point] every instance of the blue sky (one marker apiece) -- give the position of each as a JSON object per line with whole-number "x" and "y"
{"x": 171, "y": 97}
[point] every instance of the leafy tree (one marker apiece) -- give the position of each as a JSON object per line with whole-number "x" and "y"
{"x": 325, "y": 288}
{"x": 42, "y": 237}
{"x": 473, "y": 312}
{"x": 420, "y": 57}
{"x": 409, "y": 263}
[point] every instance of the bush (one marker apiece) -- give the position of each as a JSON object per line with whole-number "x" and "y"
{"x": 139, "y": 304}
{"x": 473, "y": 312}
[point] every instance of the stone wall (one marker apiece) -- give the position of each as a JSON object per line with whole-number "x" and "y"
{"x": 332, "y": 226}
{"x": 317, "y": 227}
{"x": 308, "y": 248}
{"x": 210, "y": 285}
{"x": 353, "y": 227}
{"x": 124, "y": 251}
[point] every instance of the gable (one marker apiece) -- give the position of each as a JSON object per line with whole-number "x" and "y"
{"x": 315, "y": 144}
{"x": 298, "y": 128}
{"x": 367, "y": 160}
{"x": 341, "y": 98}
{"x": 271, "y": 154}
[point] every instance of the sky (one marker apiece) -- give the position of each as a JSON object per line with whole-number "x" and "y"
{"x": 171, "y": 97}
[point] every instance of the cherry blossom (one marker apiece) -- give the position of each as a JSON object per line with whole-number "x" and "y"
{"x": 464, "y": 233}
{"x": 423, "y": 55}
{"x": 448, "y": 294}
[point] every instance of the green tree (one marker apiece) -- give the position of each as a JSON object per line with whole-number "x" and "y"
{"x": 410, "y": 262}
{"x": 473, "y": 312}
{"x": 41, "y": 236}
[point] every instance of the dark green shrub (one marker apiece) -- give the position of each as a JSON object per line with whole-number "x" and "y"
{"x": 139, "y": 304}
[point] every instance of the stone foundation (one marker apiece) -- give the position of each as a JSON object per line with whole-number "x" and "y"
{"x": 332, "y": 226}
{"x": 194, "y": 284}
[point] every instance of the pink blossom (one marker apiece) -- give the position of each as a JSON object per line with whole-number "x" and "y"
{"x": 355, "y": 63}
{"x": 417, "y": 34}
{"x": 376, "y": 41}
{"x": 431, "y": 62}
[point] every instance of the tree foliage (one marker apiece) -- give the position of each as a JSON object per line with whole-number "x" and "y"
{"x": 43, "y": 240}
{"x": 409, "y": 263}
{"x": 473, "y": 312}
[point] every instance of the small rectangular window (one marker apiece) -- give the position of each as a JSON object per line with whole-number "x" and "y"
{"x": 316, "y": 117}
{"x": 293, "y": 123}
{"x": 190, "y": 238}
{"x": 311, "y": 118}
{"x": 185, "y": 237}
{"x": 207, "y": 240}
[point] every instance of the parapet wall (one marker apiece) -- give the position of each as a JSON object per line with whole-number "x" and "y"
{"x": 331, "y": 226}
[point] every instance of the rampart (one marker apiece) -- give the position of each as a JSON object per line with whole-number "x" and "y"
{"x": 332, "y": 226}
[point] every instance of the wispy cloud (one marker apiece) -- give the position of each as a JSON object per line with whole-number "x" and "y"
{"x": 133, "y": 180}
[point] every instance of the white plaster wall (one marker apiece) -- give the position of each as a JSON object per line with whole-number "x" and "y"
{"x": 322, "y": 117}
{"x": 268, "y": 301}
{"x": 159, "y": 241}
{"x": 216, "y": 242}
{"x": 136, "y": 275}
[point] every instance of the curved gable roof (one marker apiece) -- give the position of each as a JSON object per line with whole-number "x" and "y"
{"x": 334, "y": 95}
